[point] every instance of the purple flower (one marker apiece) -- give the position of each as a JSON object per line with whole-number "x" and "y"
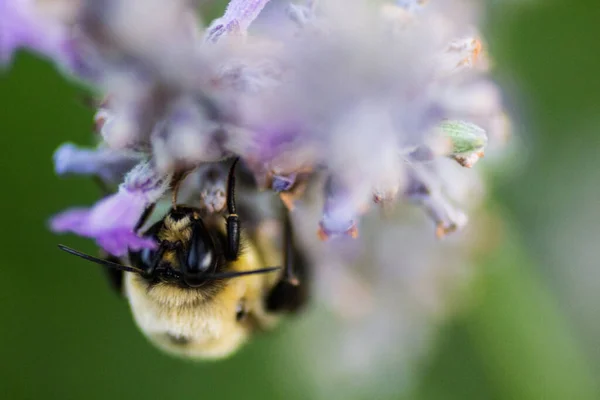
{"x": 120, "y": 211}
{"x": 424, "y": 189}
{"x": 354, "y": 92}
{"x": 110, "y": 165}
{"x": 283, "y": 183}
{"x": 39, "y": 27}
{"x": 339, "y": 218}
{"x": 237, "y": 18}
{"x": 111, "y": 221}
{"x": 358, "y": 94}
{"x": 302, "y": 14}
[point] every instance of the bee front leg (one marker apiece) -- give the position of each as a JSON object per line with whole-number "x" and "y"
{"x": 232, "y": 247}
{"x": 114, "y": 276}
{"x": 144, "y": 217}
{"x": 291, "y": 292}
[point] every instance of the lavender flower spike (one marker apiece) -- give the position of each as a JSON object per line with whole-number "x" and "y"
{"x": 237, "y": 18}
{"x": 333, "y": 105}
{"x": 112, "y": 220}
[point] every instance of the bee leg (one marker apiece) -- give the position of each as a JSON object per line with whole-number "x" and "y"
{"x": 291, "y": 292}
{"x": 233, "y": 222}
{"x": 289, "y": 273}
{"x": 114, "y": 276}
{"x": 144, "y": 217}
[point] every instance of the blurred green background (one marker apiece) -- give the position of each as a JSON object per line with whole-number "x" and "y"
{"x": 531, "y": 332}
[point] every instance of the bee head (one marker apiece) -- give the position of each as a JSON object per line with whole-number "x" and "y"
{"x": 186, "y": 251}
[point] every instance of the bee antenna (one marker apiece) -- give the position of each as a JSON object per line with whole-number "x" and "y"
{"x": 99, "y": 261}
{"x": 176, "y": 182}
{"x": 234, "y": 274}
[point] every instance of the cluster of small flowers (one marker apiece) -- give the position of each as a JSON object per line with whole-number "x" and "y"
{"x": 366, "y": 94}
{"x": 338, "y": 106}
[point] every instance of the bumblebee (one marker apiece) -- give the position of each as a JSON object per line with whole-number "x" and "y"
{"x": 205, "y": 290}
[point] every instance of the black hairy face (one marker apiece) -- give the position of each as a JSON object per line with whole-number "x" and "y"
{"x": 187, "y": 253}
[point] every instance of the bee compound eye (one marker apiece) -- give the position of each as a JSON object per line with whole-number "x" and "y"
{"x": 144, "y": 259}
{"x": 201, "y": 257}
{"x": 147, "y": 256}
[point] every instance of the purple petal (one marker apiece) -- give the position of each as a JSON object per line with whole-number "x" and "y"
{"x": 112, "y": 220}
{"x": 283, "y": 183}
{"x": 237, "y": 18}
{"x": 421, "y": 189}
{"x": 118, "y": 211}
{"x": 273, "y": 141}
{"x": 119, "y": 242}
{"x": 422, "y": 154}
{"x": 24, "y": 25}
{"x": 302, "y": 14}
{"x": 72, "y": 220}
{"x": 146, "y": 183}
{"x": 340, "y": 213}
{"x": 110, "y": 165}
